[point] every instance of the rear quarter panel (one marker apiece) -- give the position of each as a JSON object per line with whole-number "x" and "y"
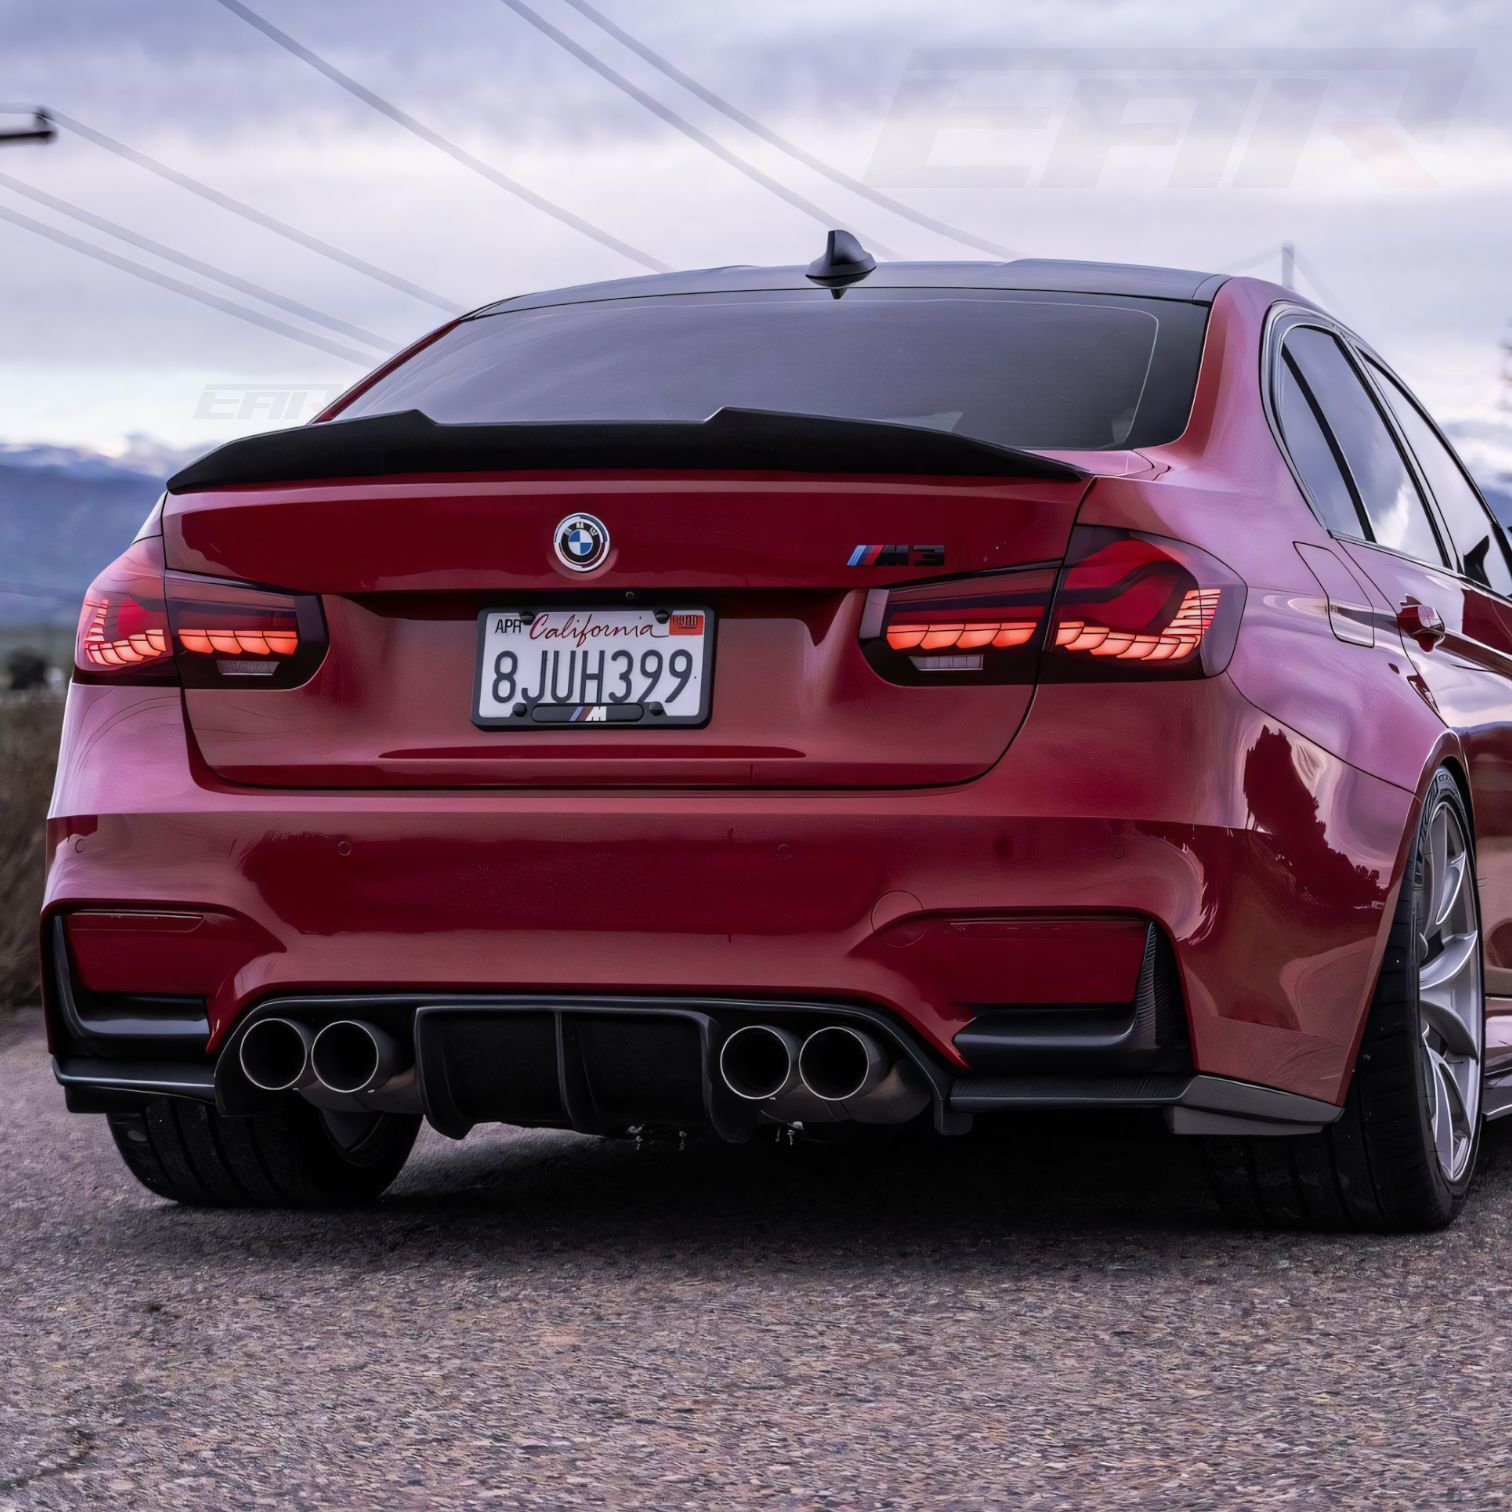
{"x": 1228, "y": 489}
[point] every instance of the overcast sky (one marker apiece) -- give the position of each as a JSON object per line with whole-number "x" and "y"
{"x": 1389, "y": 170}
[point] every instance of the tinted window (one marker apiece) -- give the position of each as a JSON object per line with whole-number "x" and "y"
{"x": 1381, "y": 480}
{"x": 1055, "y": 371}
{"x": 1475, "y": 537}
{"x": 1313, "y": 455}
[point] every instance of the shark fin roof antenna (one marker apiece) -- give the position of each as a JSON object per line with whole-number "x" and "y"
{"x": 845, "y": 261}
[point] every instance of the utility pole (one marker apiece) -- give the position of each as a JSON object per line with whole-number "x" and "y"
{"x": 1288, "y": 266}
{"x": 40, "y": 130}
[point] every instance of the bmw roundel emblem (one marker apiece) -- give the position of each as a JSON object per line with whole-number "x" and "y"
{"x": 582, "y": 542}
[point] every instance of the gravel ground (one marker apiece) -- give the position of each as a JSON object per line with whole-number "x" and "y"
{"x": 1052, "y": 1316}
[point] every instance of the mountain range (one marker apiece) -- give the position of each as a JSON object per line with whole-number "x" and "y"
{"x": 66, "y": 513}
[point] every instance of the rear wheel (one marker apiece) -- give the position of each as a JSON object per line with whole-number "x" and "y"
{"x": 293, "y": 1155}
{"x": 1403, "y": 1155}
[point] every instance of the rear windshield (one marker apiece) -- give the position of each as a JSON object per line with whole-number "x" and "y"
{"x": 1054, "y": 371}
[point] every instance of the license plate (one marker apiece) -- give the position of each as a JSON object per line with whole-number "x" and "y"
{"x": 592, "y": 668}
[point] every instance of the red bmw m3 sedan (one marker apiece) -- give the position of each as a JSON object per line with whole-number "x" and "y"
{"x": 766, "y": 698}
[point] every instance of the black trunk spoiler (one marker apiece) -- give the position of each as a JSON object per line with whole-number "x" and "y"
{"x": 734, "y": 440}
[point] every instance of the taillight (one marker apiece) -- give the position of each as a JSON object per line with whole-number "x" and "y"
{"x": 1124, "y": 606}
{"x": 141, "y": 624}
{"x": 233, "y": 633}
{"x": 1138, "y": 606}
{"x": 123, "y": 626}
{"x": 984, "y": 629}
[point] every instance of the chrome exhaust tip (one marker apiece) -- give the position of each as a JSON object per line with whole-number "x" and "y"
{"x": 759, "y": 1062}
{"x": 275, "y": 1055}
{"x": 351, "y": 1056}
{"x": 838, "y": 1062}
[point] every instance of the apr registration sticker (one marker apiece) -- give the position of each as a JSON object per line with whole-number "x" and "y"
{"x": 585, "y": 668}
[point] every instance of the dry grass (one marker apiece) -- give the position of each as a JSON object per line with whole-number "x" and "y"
{"x": 30, "y": 724}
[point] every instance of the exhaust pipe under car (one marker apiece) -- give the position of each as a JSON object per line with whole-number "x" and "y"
{"x": 351, "y": 1056}
{"x": 275, "y": 1055}
{"x": 838, "y": 1063}
{"x": 835, "y": 1064}
{"x": 760, "y": 1062}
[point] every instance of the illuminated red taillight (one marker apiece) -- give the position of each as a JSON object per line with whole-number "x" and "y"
{"x": 1138, "y": 606}
{"x": 123, "y": 626}
{"x": 117, "y": 631}
{"x": 267, "y": 641}
{"x": 935, "y": 635}
{"x": 1183, "y": 634}
{"x": 140, "y": 624}
{"x": 984, "y": 629}
{"x": 226, "y": 632}
{"x": 1123, "y": 606}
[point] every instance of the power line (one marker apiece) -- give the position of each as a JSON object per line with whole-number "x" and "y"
{"x": 676, "y": 122}
{"x": 229, "y": 307}
{"x": 244, "y": 286}
{"x": 257, "y": 217}
{"x": 1308, "y": 272}
{"x": 478, "y": 166}
{"x": 1247, "y": 263}
{"x": 1291, "y": 263}
{"x": 751, "y": 124}
{"x": 36, "y": 590}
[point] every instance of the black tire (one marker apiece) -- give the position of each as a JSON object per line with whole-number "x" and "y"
{"x": 292, "y": 1155}
{"x": 1379, "y": 1168}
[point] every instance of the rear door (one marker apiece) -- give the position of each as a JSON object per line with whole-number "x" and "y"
{"x": 1428, "y": 544}
{"x": 1485, "y": 638}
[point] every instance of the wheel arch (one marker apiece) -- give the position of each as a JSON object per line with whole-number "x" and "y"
{"x": 1447, "y": 755}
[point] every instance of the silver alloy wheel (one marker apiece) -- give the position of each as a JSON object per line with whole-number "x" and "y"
{"x": 1451, "y": 1008}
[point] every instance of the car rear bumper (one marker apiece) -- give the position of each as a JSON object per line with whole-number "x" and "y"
{"x": 610, "y": 1065}
{"x": 1116, "y": 808}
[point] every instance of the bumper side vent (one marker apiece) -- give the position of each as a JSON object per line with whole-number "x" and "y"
{"x": 125, "y": 1025}
{"x": 1146, "y": 1035}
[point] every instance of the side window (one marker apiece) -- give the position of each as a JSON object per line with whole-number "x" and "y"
{"x": 1312, "y": 452}
{"x": 1475, "y": 535}
{"x": 1382, "y": 483}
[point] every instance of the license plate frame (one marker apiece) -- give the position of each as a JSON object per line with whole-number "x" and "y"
{"x": 610, "y": 629}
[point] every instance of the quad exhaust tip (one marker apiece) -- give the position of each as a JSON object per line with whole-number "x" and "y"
{"x": 838, "y": 1063}
{"x": 283, "y": 1055}
{"x": 761, "y": 1062}
{"x": 351, "y": 1056}
{"x": 275, "y": 1055}
{"x": 758, "y": 1063}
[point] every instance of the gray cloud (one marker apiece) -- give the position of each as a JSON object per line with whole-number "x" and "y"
{"x": 90, "y": 349}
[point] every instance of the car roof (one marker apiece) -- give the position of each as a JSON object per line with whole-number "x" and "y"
{"x": 1029, "y": 274}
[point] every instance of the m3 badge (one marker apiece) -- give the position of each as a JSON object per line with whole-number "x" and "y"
{"x": 897, "y": 556}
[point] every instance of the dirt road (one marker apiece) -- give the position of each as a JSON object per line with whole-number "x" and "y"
{"x": 1054, "y": 1317}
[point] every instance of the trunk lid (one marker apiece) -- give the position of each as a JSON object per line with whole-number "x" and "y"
{"x": 404, "y": 566}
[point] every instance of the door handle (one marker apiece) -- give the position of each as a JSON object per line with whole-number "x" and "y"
{"x": 1423, "y": 623}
